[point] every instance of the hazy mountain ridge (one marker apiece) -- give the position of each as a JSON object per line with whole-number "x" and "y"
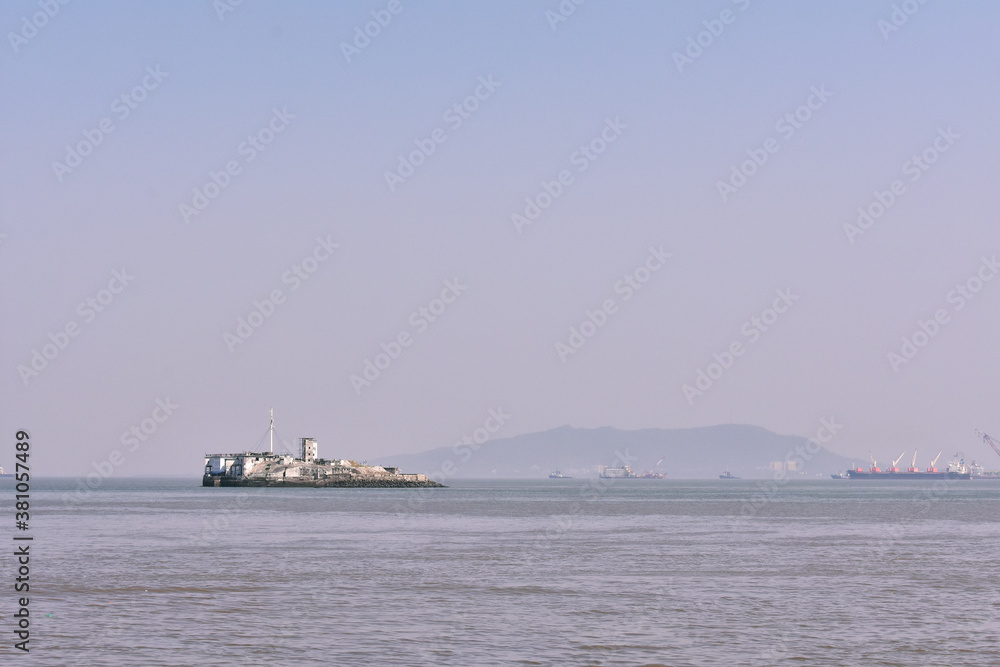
{"x": 747, "y": 451}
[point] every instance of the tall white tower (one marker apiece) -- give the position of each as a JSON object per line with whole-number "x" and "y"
{"x": 309, "y": 449}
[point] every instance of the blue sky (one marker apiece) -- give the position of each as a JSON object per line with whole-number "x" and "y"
{"x": 323, "y": 175}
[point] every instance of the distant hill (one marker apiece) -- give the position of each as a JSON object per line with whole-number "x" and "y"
{"x": 747, "y": 451}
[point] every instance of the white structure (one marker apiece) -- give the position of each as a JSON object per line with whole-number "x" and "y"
{"x": 308, "y": 449}
{"x": 240, "y": 465}
{"x": 264, "y": 468}
{"x": 617, "y": 473}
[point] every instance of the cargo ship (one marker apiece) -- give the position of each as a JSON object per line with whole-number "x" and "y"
{"x": 625, "y": 472}
{"x": 957, "y": 469}
{"x": 308, "y": 470}
{"x": 979, "y": 471}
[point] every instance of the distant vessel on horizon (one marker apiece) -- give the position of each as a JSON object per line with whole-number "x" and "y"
{"x": 957, "y": 469}
{"x": 3, "y": 473}
{"x": 652, "y": 474}
{"x": 558, "y": 475}
{"x": 727, "y": 475}
{"x": 624, "y": 472}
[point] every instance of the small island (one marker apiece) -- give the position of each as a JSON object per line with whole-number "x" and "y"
{"x": 270, "y": 469}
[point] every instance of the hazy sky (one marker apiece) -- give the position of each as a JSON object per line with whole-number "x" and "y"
{"x": 177, "y": 163}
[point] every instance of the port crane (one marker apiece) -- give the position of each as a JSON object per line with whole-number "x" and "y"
{"x": 934, "y": 462}
{"x": 913, "y": 463}
{"x": 989, "y": 441}
{"x": 896, "y": 463}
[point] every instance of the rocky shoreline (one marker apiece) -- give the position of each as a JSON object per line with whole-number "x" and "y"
{"x": 351, "y": 482}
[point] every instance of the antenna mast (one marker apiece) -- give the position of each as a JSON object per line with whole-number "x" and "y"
{"x": 272, "y": 430}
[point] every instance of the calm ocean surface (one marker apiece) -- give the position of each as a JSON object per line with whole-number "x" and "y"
{"x": 537, "y": 572}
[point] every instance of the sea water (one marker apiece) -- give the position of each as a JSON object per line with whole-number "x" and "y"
{"x": 512, "y": 572}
